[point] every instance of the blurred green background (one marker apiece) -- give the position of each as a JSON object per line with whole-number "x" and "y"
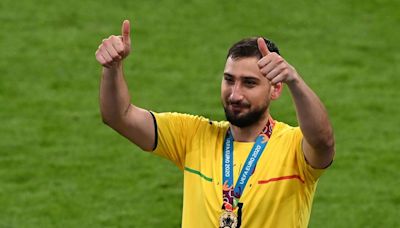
{"x": 61, "y": 167}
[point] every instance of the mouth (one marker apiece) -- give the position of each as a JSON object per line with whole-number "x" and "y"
{"x": 237, "y": 108}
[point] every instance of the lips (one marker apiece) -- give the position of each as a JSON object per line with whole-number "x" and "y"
{"x": 237, "y": 107}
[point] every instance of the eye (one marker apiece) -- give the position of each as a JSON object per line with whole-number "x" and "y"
{"x": 250, "y": 83}
{"x": 229, "y": 79}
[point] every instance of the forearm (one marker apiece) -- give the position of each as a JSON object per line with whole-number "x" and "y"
{"x": 312, "y": 116}
{"x": 114, "y": 94}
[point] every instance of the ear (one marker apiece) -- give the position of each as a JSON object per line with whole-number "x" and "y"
{"x": 276, "y": 90}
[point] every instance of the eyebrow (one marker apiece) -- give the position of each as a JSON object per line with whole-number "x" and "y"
{"x": 228, "y": 74}
{"x": 247, "y": 77}
{"x": 250, "y": 78}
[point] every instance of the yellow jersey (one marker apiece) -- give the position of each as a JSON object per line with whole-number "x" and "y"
{"x": 279, "y": 193}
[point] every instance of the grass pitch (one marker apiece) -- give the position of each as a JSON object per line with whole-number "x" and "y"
{"x": 61, "y": 167}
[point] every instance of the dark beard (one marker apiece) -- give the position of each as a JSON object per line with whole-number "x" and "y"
{"x": 246, "y": 120}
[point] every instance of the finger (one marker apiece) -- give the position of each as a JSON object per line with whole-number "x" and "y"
{"x": 268, "y": 63}
{"x": 126, "y": 32}
{"x": 118, "y": 44}
{"x": 106, "y": 55}
{"x": 264, "y": 61}
{"x": 262, "y": 46}
{"x": 274, "y": 72}
{"x": 267, "y": 69}
{"x": 272, "y": 57}
{"x": 108, "y": 46}
{"x": 105, "y": 58}
{"x": 279, "y": 78}
{"x": 100, "y": 58}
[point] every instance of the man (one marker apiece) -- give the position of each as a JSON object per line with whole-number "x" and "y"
{"x": 251, "y": 171}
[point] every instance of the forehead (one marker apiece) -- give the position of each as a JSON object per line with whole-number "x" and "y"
{"x": 243, "y": 67}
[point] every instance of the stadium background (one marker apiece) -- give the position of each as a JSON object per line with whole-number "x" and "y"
{"x": 61, "y": 167}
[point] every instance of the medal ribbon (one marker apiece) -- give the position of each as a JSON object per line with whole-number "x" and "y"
{"x": 232, "y": 195}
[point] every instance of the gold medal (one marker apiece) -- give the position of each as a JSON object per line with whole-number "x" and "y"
{"x": 228, "y": 219}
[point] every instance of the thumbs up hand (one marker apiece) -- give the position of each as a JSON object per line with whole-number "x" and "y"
{"x": 274, "y": 67}
{"x": 115, "y": 48}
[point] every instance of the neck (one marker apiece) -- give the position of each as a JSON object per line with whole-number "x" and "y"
{"x": 249, "y": 133}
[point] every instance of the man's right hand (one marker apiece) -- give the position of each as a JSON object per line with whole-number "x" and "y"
{"x": 115, "y": 48}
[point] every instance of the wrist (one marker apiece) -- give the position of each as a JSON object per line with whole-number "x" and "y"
{"x": 294, "y": 82}
{"x": 112, "y": 68}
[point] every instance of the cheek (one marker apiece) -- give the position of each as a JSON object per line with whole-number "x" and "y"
{"x": 260, "y": 97}
{"x": 225, "y": 91}
{"x": 223, "y": 96}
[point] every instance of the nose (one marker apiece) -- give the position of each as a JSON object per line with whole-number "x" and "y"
{"x": 236, "y": 94}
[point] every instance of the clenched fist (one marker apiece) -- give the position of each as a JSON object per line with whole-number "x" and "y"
{"x": 115, "y": 48}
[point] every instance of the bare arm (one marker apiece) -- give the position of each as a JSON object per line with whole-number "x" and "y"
{"x": 318, "y": 142}
{"x": 134, "y": 123}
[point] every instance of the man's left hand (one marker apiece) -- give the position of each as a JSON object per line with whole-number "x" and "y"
{"x": 274, "y": 67}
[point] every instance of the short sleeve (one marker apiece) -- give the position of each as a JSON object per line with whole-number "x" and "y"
{"x": 174, "y": 133}
{"x": 310, "y": 173}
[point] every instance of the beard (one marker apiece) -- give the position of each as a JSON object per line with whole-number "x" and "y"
{"x": 247, "y": 119}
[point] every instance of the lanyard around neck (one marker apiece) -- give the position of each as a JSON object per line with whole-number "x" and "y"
{"x": 230, "y": 192}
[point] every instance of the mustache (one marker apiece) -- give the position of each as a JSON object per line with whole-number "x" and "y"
{"x": 239, "y": 103}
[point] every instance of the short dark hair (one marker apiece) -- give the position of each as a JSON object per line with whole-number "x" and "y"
{"x": 248, "y": 47}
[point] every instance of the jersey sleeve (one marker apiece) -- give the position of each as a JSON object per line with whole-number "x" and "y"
{"x": 174, "y": 133}
{"x": 310, "y": 173}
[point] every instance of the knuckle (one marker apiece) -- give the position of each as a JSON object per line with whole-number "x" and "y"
{"x": 99, "y": 55}
{"x": 106, "y": 42}
{"x": 114, "y": 54}
{"x": 99, "y": 59}
{"x": 285, "y": 71}
{"x": 264, "y": 71}
{"x": 107, "y": 58}
{"x": 113, "y": 38}
{"x": 119, "y": 49}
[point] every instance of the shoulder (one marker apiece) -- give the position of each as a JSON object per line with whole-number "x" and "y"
{"x": 187, "y": 120}
{"x": 287, "y": 135}
{"x": 284, "y": 129}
